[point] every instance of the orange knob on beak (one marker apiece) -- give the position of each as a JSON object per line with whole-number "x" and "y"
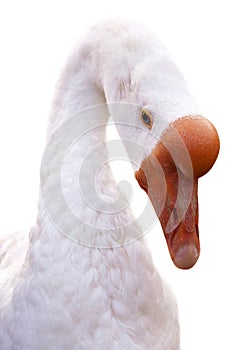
{"x": 186, "y": 151}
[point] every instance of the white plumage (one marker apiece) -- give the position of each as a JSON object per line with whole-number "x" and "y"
{"x": 57, "y": 294}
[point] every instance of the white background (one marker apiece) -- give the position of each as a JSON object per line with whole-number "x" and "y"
{"x": 35, "y": 38}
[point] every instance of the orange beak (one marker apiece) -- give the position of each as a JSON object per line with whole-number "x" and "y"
{"x": 169, "y": 175}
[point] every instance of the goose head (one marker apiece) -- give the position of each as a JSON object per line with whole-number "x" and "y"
{"x": 178, "y": 145}
{"x": 168, "y": 164}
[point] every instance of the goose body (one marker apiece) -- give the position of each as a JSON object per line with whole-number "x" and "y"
{"x": 68, "y": 286}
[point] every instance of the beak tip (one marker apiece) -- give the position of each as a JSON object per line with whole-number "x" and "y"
{"x": 186, "y": 256}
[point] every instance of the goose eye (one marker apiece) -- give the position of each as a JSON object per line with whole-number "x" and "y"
{"x": 147, "y": 118}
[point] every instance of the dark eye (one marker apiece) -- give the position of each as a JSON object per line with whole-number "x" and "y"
{"x": 147, "y": 118}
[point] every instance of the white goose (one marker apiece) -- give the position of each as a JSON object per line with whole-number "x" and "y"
{"x": 61, "y": 290}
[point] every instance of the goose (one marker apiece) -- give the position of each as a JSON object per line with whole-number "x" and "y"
{"x": 83, "y": 277}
